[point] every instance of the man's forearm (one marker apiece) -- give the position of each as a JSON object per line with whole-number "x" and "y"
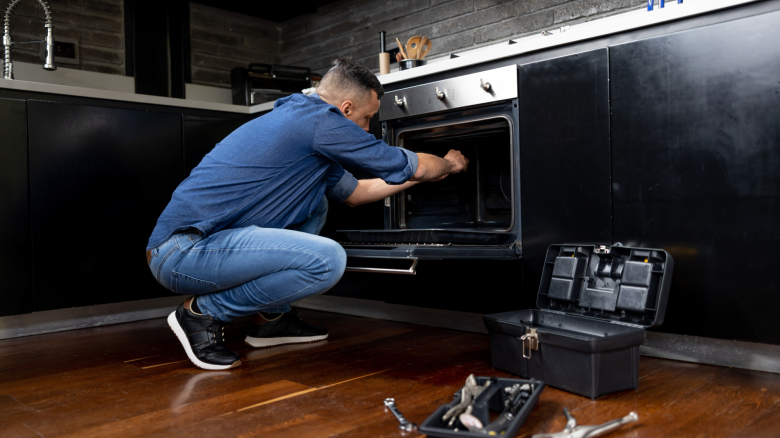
{"x": 430, "y": 167}
{"x": 370, "y": 190}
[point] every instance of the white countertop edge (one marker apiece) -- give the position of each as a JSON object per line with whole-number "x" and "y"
{"x": 579, "y": 32}
{"x": 41, "y": 87}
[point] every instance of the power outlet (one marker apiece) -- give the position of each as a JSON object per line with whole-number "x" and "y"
{"x": 63, "y": 49}
{"x": 392, "y": 53}
{"x": 66, "y": 50}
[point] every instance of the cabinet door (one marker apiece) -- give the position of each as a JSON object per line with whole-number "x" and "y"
{"x": 99, "y": 179}
{"x": 564, "y": 156}
{"x": 696, "y": 170}
{"x": 15, "y": 256}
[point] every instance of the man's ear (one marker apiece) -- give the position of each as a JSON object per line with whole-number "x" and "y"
{"x": 347, "y": 108}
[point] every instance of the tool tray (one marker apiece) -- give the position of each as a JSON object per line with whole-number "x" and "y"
{"x": 434, "y": 426}
{"x": 594, "y": 306}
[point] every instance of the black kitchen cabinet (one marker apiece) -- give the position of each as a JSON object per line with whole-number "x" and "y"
{"x": 564, "y": 157}
{"x": 99, "y": 179}
{"x": 202, "y": 133}
{"x": 696, "y": 170}
{"x": 15, "y": 257}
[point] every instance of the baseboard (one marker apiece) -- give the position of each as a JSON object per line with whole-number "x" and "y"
{"x": 747, "y": 355}
{"x": 469, "y": 322}
{"x": 61, "y": 320}
{"x": 736, "y": 354}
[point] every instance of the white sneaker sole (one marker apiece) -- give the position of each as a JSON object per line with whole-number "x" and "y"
{"x": 174, "y": 324}
{"x": 270, "y": 342}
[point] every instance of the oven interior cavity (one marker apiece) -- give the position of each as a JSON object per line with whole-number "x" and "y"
{"x": 479, "y": 199}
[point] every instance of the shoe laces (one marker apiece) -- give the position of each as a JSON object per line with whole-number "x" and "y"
{"x": 217, "y": 331}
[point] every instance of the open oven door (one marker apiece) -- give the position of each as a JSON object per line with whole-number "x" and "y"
{"x": 430, "y": 244}
{"x": 358, "y": 256}
{"x": 427, "y": 245}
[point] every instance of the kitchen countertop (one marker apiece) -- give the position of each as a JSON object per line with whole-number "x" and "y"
{"x": 579, "y": 32}
{"x": 41, "y": 87}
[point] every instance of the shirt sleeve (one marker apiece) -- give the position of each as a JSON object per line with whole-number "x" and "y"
{"x": 340, "y": 183}
{"x": 342, "y": 140}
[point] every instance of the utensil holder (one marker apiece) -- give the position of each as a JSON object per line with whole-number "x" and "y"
{"x": 410, "y": 63}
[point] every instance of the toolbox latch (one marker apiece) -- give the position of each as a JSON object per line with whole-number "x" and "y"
{"x": 530, "y": 341}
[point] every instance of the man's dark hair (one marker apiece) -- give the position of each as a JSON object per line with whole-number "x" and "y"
{"x": 350, "y": 75}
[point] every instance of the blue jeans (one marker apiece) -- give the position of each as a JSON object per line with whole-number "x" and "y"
{"x": 246, "y": 270}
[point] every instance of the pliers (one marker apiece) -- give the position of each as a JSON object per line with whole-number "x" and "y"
{"x": 574, "y": 431}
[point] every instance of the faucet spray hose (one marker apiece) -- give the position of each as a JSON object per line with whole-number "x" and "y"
{"x": 8, "y": 41}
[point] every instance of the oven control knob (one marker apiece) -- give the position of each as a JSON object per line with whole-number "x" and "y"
{"x": 440, "y": 94}
{"x": 484, "y": 85}
{"x": 398, "y": 102}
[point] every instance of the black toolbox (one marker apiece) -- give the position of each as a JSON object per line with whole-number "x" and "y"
{"x": 433, "y": 426}
{"x": 594, "y": 306}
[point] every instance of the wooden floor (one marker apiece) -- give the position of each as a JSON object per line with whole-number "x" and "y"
{"x": 134, "y": 380}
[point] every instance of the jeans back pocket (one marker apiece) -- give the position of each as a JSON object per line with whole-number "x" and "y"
{"x": 189, "y": 285}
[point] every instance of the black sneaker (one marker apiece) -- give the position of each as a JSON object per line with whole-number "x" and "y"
{"x": 203, "y": 339}
{"x": 287, "y": 328}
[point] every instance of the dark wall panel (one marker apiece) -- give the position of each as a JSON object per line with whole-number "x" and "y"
{"x": 15, "y": 257}
{"x": 564, "y": 156}
{"x": 696, "y": 168}
{"x": 100, "y": 177}
{"x": 151, "y": 47}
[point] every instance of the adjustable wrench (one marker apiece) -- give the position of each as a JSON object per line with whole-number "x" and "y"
{"x": 405, "y": 425}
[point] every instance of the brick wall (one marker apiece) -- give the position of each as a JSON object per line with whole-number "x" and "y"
{"x": 221, "y": 40}
{"x": 350, "y": 28}
{"x": 98, "y": 26}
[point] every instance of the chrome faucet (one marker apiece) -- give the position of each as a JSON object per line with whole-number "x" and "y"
{"x": 8, "y": 66}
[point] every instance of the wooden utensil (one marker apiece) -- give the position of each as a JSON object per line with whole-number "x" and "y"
{"x": 412, "y": 46}
{"x": 399, "y": 57}
{"x": 401, "y": 48}
{"x": 425, "y": 47}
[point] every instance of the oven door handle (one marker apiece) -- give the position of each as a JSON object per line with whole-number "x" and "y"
{"x": 411, "y": 271}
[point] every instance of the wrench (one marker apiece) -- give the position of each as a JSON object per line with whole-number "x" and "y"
{"x": 406, "y": 425}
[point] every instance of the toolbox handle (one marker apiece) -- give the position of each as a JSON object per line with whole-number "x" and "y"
{"x": 411, "y": 271}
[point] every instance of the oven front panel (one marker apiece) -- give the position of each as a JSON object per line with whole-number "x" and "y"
{"x": 462, "y": 92}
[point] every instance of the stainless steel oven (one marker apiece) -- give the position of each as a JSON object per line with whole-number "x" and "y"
{"x": 473, "y": 215}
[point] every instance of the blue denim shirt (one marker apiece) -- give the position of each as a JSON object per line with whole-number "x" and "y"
{"x": 273, "y": 171}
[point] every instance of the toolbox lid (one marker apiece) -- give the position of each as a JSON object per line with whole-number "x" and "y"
{"x": 618, "y": 284}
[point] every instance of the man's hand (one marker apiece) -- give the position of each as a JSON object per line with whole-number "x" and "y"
{"x": 433, "y": 168}
{"x": 458, "y": 162}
